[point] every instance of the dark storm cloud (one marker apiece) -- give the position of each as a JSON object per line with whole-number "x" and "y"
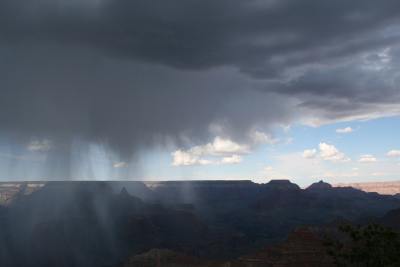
{"x": 128, "y": 73}
{"x": 127, "y": 105}
{"x": 193, "y": 34}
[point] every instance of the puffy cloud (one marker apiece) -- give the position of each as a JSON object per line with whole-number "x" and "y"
{"x": 184, "y": 158}
{"x": 393, "y": 153}
{"x": 268, "y": 168}
{"x": 221, "y": 146}
{"x": 309, "y": 153}
{"x": 226, "y": 149}
{"x": 367, "y": 158}
{"x": 234, "y": 159}
{"x": 326, "y": 152}
{"x": 263, "y": 138}
{"x": 331, "y": 153}
{"x": 379, "y": 174}
{"x": 344, "y": 130}
{"x": 121, "y": 164}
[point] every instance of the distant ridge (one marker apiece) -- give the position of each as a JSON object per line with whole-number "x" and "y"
{"x": 383, "y": 188}
{"x": 319, "y": 185}
{"x": 282, "y": 185}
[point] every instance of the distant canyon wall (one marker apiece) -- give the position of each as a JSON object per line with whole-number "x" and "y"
{"x": 383, "y": 188}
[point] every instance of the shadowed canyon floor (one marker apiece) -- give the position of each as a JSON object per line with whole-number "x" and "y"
{"x": 204, "y": 223}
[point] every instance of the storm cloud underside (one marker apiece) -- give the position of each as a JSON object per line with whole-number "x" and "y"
{"x": 131, "y": 74}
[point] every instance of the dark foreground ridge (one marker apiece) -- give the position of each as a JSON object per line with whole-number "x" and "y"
{"x": 203, "y": 222}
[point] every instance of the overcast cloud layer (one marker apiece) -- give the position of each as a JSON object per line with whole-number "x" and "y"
{"x": 130, "y": 74}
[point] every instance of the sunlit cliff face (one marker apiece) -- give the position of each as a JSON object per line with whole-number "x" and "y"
{"x": 93, "y": 81}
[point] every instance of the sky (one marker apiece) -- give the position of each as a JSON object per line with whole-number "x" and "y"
{"x": 212, "y": 89}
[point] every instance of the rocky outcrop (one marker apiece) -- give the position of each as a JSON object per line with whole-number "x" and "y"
{"x": 282, "y": 185}
{"x": 321, "y": 185}
{"x": 10, "y": 191}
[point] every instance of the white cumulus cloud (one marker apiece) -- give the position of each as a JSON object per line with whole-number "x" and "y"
{"x": 221, "y": 146}
{"x": 183, "y": 158}
{"x": 344, "y": 130}
{"x": 121, "y": 164}
{"x": 331, "y": 153}
{"x": 39, "y": 145}
{"x": 263, "y": 138}
{"x": 234, "y": 159}
{"x": 367, "y": 158}
{"x": 325, "y": 152}
{"x": 393, "y": 153}
{"x": 268, "y": 168}
{"x": 310, "y": 153}
{"x": 226, "y": 150}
